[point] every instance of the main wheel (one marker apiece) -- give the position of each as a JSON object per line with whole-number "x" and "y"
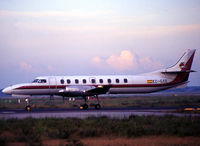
{"x": 28, "y": 108}
{"x": 97, "y": 106}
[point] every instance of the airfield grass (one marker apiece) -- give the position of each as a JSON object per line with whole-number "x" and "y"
{"x": 74, "y": 131}
{"x": 107, "y": 102}
{"x": 159, "y": 100}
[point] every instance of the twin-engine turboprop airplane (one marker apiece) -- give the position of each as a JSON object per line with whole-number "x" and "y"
{"x": 73, "y": 86}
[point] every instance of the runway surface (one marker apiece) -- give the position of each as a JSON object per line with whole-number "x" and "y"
{"x": 77, "y": 113}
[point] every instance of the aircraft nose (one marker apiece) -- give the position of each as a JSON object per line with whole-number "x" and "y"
{"x": 7, "y": 90}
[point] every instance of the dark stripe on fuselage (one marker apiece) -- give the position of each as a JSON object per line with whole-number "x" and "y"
{"x": 112, "y": 86}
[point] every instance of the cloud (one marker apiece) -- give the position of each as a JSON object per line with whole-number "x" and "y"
{"x": 72, "y": 13}
{"x": 125, "y": 61}
{"x": 97, "y": 61}
{"x": 148, "y": 62}
{"x": 25, "y": 66}
{"x": 95, "y": 25}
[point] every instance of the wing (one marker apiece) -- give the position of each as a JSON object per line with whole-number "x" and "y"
{"x": 81, "y": 90}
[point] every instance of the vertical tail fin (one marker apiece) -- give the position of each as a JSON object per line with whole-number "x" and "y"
{"x": 181, "y": 70}
{"x": 184, "y": 64}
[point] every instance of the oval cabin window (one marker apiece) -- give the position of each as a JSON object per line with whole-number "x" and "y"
{"x": 93, "y": 81}
{"x": 125, "y": 80}
{"x": 109, "y": 80}
{"x": 117, "y": 80}
{"x": 68, "y": 81}
{"x": 84, "y": 81}
{"x": 62, "y": 81}
{"x": 101, "y": 81}
{"x": 76, "y": 81}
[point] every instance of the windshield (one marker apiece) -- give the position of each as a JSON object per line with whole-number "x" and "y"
{"x": 39, "y": 81}
{"x": 35, "y": 81}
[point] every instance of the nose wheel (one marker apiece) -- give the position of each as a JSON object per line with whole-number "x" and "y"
{"x": 28, "y": 107}
{"x": 84, "y": 106}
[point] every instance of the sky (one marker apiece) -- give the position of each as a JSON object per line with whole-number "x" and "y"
{"x": 95, "y": 37}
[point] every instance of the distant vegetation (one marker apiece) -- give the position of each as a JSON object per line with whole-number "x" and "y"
{"x": 34, "y": 130}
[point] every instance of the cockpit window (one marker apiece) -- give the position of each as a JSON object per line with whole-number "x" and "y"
{"x": 35, "y": 81}
{"x": 42, "y": 81}
{"x": 39, "y": 81}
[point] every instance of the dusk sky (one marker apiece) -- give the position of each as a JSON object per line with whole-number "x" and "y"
{"x": 95, "y": 37}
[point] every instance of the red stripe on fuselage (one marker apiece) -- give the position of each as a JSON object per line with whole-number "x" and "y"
{"x": 112, "y": 86}
{"x": 43, "y": 87}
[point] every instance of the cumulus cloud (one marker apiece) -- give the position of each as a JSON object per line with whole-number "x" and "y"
{"x": 148, "y": 62}
{"x": 97, "y": 61}
{"x": 127, "y": 60}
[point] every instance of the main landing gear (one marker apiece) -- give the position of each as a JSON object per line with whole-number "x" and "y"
{"x": 85, "y": 105}
{"x": 97, "y": 106}
{"x": 28, "y": 107}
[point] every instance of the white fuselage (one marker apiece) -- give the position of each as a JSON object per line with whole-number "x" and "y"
{"x": 119, "y": 84}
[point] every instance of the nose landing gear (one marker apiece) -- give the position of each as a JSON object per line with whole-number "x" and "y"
{"x": 28, "y": 107}
{"x": 84, "y": 106}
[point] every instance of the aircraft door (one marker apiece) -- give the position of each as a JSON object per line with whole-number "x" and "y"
{"x": 52, "y": 84}
{"x": 92, "y": 80}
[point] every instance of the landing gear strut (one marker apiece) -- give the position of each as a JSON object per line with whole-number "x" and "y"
{"x": 28, "y": 107}
{"x": 97, "y": 106}
{"x": 84, "y": 106}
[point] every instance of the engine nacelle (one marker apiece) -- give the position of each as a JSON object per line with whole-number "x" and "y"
{"x": 70, "y": 89}
{"x": 77, "y": 90}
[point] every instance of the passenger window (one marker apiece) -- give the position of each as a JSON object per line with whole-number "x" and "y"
{"x": 117, "y": 80}
{"x": 93, "y": 81}
{"x": 101, "y": 81}
{"x": 62, "y": 81}
{"x": 109, "y": 80}
{"x": 76, "y": 81}
{"x": 84, "y": 81}
{"x": 68, "y": 81}
{"x": 125, "y": 80}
